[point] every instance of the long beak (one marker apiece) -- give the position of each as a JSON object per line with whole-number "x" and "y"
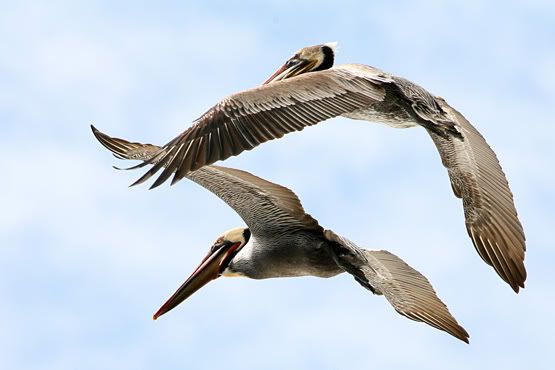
{"x": 209, "y": 269}
{"x": 296, "y": 69}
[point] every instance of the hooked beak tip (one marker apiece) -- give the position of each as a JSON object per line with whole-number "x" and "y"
{"x": 208, "y": 270}
{"x": 203, "y": 274}
{"x": 158, "y": 313}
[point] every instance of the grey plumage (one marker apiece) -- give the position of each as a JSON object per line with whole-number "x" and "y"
{"x": 247, "y": 119}
{"x": 286, "y": 241}
{"x": 491, "y": 218}
{"x": 244, "y": 120}
{"x": 407, "y": 290}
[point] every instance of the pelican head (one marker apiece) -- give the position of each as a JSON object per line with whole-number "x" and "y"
{"x": 212, "y": 266}
{"x": 308, "y": 59}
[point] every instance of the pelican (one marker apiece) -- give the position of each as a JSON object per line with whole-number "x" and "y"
{"x": 282, "y": 240}
{"x": 307, "y": 90}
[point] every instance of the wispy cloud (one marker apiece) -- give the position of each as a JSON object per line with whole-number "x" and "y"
{"x": 86, "y": 261}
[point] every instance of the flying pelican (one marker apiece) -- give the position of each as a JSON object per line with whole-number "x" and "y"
{"x": 282, "y": 240}
{"x": 307, "y": 90}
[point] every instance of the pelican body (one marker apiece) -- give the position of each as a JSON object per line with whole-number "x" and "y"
{"x": 282, "y": 240}
{"x": 308, "y": 89}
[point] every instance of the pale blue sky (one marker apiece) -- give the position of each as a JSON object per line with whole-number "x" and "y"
{"x": 85, "y": 260}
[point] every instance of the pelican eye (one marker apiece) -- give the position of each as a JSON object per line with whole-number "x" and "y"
{"x": 217, "y": 245}
{"x": 291, "y": 62}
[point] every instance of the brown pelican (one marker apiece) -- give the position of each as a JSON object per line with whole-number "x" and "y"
{"x": 282, "y": 240}
{"x": 306, "y": 90}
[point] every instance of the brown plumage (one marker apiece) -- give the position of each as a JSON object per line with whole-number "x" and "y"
{"x": 407, "y": 290}
{"x": 491, "y": 218}
{"x": 301, "y": 94}
{"x": 287, "y": 241}
{"x": 247, "y": 119}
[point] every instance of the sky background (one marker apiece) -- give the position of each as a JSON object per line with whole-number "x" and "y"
{"x": 85, "y": 260}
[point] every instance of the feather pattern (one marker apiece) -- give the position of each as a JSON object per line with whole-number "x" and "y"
{"x": 407, "y": 290}
{"x": 491, "y": 218}
{"x": 286, "y": 241}
{"x": 267, "y": 208}
{"x": 247, "y": 119}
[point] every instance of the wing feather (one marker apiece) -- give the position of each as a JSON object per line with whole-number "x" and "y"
{"x": 491, "y": 218}
{"x": 243, "y": 121}
{"x": 407, "y": 290}
{"x": 267, "y": 208}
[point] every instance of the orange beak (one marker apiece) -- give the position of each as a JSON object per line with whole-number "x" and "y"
{"x": 209, "y": 269}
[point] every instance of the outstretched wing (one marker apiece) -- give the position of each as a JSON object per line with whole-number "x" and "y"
{"x": 407, "y": 290}
{"x": 267, "y": 208}
{"x": 491, "y": 217}
{"x": 244, "y": 120}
